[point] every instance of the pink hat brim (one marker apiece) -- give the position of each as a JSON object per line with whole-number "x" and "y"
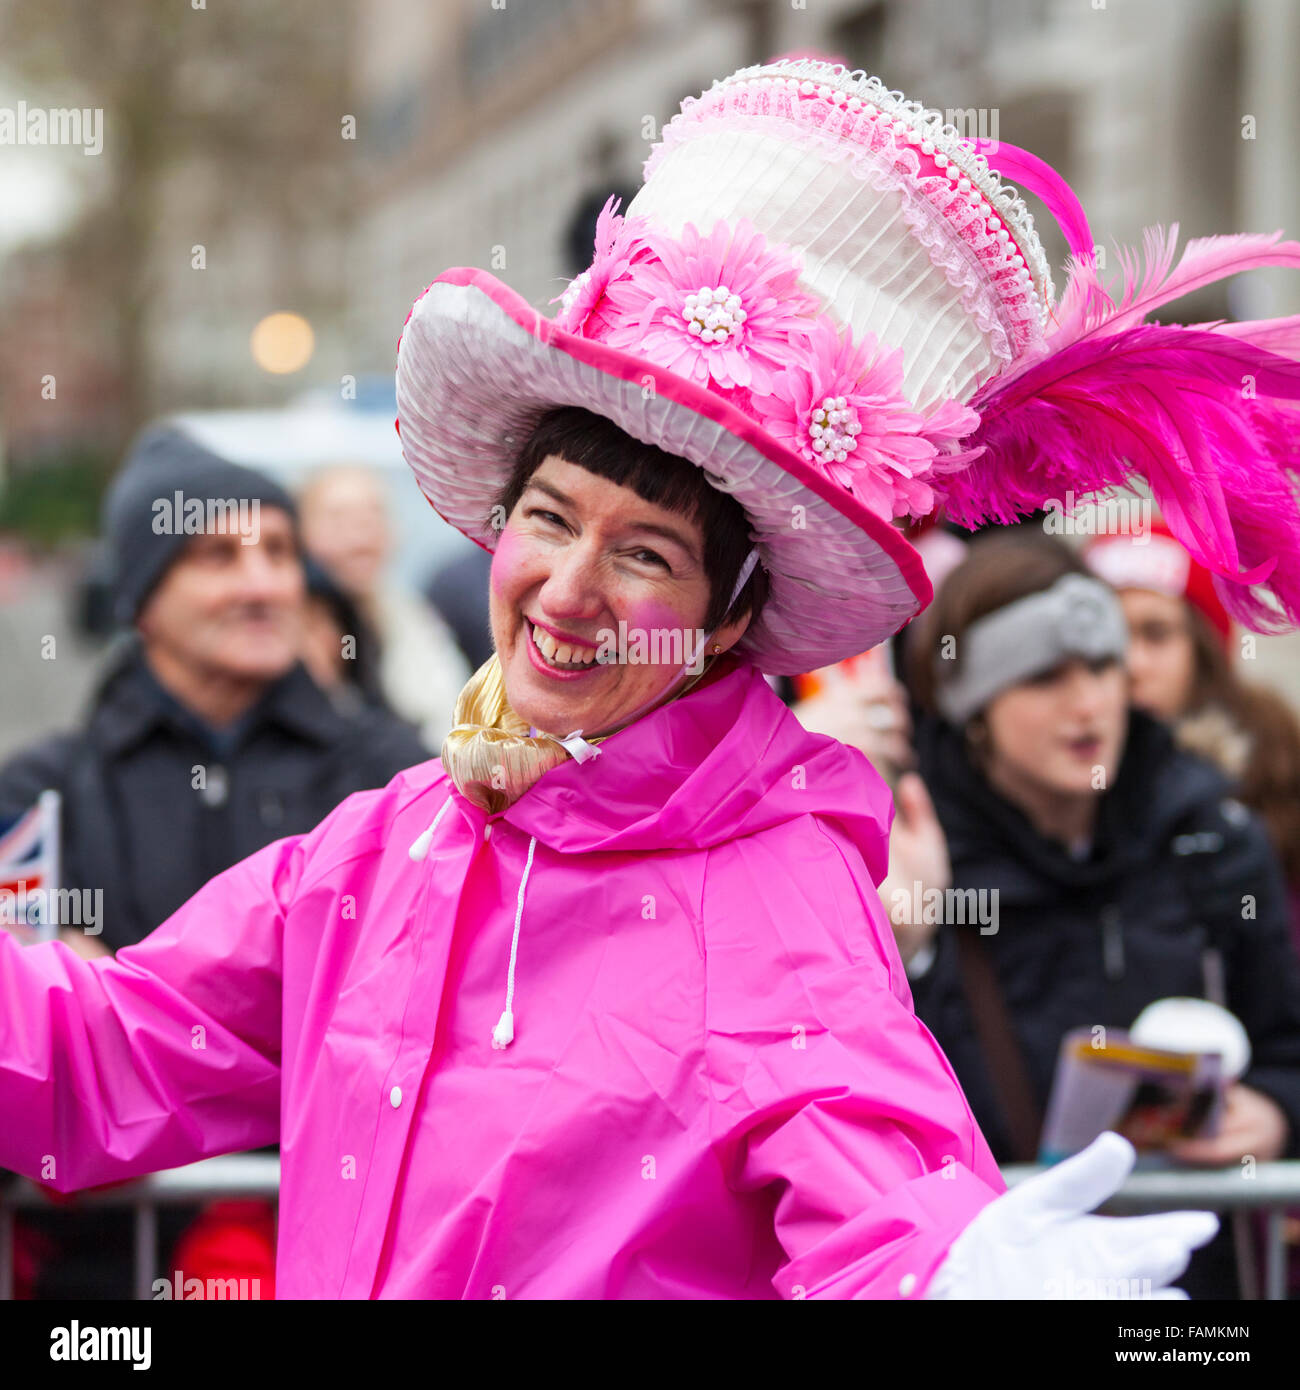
{"x": 477, "y": 366}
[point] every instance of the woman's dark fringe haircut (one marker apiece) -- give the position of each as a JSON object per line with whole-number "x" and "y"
{"x": 666, "y": 480}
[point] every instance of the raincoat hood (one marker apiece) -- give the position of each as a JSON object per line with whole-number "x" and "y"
{"x": 671, "y": 781}
{"x": 728, "y": 762}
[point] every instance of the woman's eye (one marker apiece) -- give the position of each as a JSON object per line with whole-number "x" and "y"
{"x": 545, "y": 515}
{"x": 652, "y": 557}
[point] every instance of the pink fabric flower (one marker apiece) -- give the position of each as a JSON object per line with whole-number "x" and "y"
{"x": 723, "y": 308}
{"x": 840, "y": 405}
{"x": 618, "y": 246}
{"x": 947, "y": 424}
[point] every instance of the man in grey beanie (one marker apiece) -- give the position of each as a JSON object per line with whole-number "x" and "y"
{"x": 206, "y": 739}
{"x": 170, "y": 488}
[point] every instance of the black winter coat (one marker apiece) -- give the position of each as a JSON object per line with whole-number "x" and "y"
{"x": 136, "y": 826}
{"x": 1176, "y": 867}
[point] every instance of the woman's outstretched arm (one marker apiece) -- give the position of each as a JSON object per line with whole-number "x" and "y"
{"x": 165, "y": 1054}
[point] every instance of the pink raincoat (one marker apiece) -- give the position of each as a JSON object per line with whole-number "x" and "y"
{"x": 717, "y": 1086}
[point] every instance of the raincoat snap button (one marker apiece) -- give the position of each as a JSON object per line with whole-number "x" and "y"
{"x": 906, "y": 1284}
{"x": 395, "y": 1096}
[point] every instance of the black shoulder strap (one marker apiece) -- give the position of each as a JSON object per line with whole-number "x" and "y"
{"x": 1002, "y": 1054}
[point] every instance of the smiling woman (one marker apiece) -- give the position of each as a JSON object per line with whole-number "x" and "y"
{"x": 666, "y": 481}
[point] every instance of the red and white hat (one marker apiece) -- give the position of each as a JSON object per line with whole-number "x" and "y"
{"x": 1156, "y": 560}
{"x": 815, "y": 284}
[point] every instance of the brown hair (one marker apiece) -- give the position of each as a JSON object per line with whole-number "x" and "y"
{"x": 1270, "y": 782}
{"x": 1213, "y": 681}
{"x": 1268, "y": 779}
{"x": 1001, "y": 568}
{"x": 592, "y": 442}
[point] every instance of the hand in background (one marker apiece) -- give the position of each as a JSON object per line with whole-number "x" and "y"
{"x": 87, "y": 947}
{"x": 918, "y": 861}
{"x": 1252, "y": 1124}
{"x": 867, "y": 710}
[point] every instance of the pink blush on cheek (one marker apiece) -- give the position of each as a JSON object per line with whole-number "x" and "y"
{"x": 650, "y": 614}
{"x": 504, "y": 560}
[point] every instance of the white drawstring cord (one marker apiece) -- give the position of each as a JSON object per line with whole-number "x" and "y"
{"x": 504, "y": 1033}
{"x": 420, "y": 846}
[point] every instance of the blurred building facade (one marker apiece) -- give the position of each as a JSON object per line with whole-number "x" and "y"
{"x": 489, "y": 127}
{"x": 486, "y": 131}
{"x": 55, "y": 353}
{"x": 220, "y": 195}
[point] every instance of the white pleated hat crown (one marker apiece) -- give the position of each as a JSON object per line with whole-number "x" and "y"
{"x": 903, "y": 230}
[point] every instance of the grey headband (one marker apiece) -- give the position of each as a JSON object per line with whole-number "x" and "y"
{"x": 1076, "y": 617}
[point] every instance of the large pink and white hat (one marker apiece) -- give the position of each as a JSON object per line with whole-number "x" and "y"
{"x": 815, "y": 284}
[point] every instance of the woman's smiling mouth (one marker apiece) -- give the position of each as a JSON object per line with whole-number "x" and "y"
{"x": 561, "y": 660}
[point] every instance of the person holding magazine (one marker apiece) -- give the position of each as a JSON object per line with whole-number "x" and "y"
{"x": 1120, "y": 868}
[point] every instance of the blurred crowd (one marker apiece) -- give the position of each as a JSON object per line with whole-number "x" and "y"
{"x": 1129, "y": 805}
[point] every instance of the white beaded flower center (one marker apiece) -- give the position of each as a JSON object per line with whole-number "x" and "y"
{"x": 714, "y": 315}
{"x": 833, "y": 427}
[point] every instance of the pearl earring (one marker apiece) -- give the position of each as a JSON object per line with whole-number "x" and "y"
{"x": 716, "y": 649}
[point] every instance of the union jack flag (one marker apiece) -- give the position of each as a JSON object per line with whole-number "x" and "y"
{"x": 29, "y": 866}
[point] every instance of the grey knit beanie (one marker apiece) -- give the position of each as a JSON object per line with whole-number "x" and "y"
{"x": 167, "y": 482}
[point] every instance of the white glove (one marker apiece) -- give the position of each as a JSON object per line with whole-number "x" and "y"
{"x": 1035, "y": 1241}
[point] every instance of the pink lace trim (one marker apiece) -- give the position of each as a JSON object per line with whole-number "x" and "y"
{"x": 923, "y": 126}
{"x": 949, "y": 214}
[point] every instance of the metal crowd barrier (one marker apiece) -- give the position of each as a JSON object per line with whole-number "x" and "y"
{"x": 233, "y": 1175}
{"x": 1272, "y": 1189}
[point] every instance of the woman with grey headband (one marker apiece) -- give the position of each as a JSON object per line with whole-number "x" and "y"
{"x": 1114, "y": 868}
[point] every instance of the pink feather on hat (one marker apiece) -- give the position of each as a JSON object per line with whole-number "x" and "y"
{"x": 1203, "y": 413}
